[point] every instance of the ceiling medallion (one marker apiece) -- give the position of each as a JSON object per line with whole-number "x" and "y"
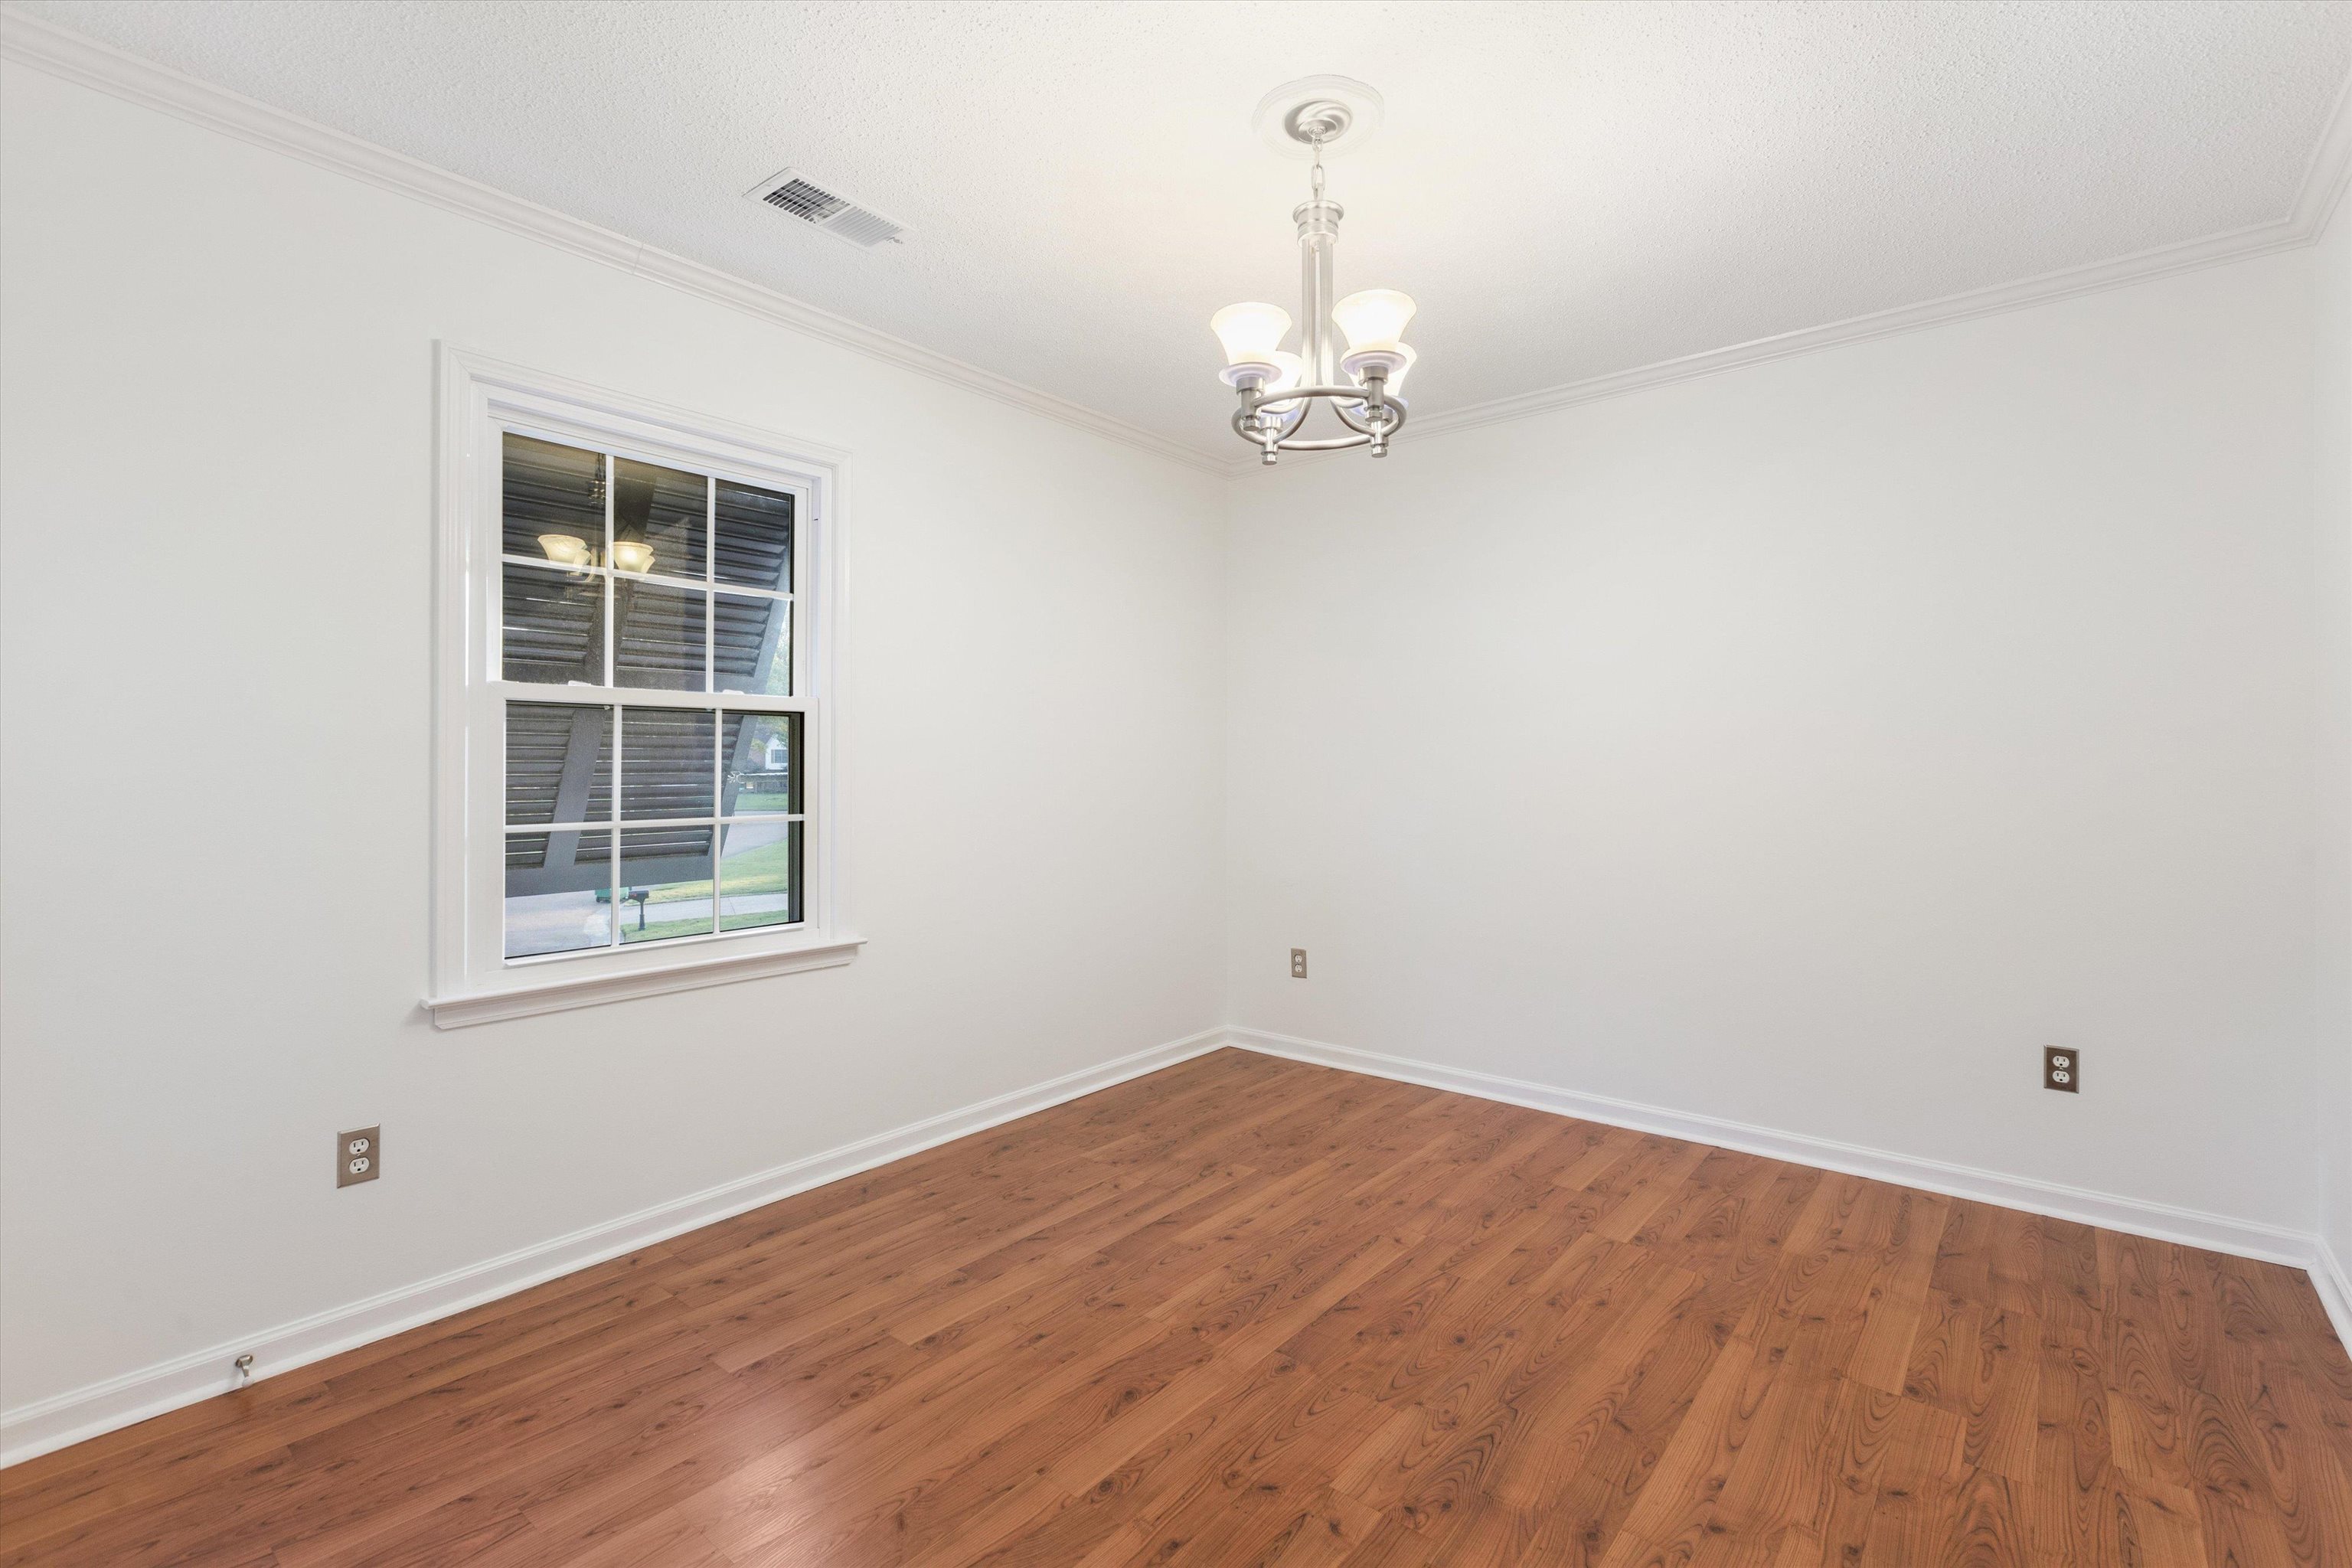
{"x": 1279, "y": 389}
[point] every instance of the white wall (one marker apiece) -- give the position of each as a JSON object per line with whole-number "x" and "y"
{"x": 1808, "y": 745}
{"x": 1805, "y": 747}
{"x": 218, "y": 429}
{"x": 2332, "y": 508}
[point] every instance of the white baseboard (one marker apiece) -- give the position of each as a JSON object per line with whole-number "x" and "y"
{"x": 65, "y": 1419}
{"x": 2217, "y": 1232}
{"x": 2334, "y": 1288}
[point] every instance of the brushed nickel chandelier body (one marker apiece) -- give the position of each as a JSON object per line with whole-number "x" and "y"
{"x": 1278, "y": 389}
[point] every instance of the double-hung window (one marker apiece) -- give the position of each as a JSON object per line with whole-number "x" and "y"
{"x": 634, "y": 739}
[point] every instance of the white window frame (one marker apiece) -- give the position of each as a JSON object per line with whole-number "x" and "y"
{"x": 472, "y": 980}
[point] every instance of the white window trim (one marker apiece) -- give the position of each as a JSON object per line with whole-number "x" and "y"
{"x": 472, "y": 982}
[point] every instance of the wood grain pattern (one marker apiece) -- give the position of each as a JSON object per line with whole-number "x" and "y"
{"x": 1249, "y": 1312}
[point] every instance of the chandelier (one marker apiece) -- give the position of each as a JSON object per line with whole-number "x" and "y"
{"x": 1361, "y": 387}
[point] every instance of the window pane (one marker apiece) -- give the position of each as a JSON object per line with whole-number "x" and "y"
{"x": 755, "y": 537}
{"x": 559, "y": 762}
{"x": 665, "y": 883}
{"x": 659, "y": 636}
{"x": 763, "y": 767}
{"x": 558, "y": 892}
{"x": 547, "y": 489}
{"x": 667, "y": 757}
{"x": 553, "y": 627}
{"x": 752, "y": 647}
{"x": 662, "y": 513}
{"x": 759, "y": 875}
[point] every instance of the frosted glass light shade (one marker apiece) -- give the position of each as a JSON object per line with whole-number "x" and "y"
{"x": 1252, "y": 332}
{"x": 1291, "y": 371}
{"x": 633, "y": 555}
{"x": 1374, "y": 319}
{"x": 565, "y": 549}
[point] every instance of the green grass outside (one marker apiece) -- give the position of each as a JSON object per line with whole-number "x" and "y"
{"x": 656, "y": 930}
{"x": 767, "y": 869}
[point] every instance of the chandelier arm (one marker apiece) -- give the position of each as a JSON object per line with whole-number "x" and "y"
{"x": 1395, "y": 405}
{"x": 1285, "y": 423}
{"x": 1287, "y": 441}
{"x": 1342, "y": 394}
{"x": 1338, "y": 397}
{"x": 1326, "y": 444}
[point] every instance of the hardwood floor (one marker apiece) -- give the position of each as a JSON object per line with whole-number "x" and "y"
{"x": 1247, "y": 1311}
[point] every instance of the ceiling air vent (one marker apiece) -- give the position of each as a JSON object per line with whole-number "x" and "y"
{"x": 789, "y": 192}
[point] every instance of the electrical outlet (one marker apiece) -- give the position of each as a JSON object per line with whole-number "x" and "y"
{"x": 1299, "y": 963}
{"x": 359, "y": 1156}
{"x": 2062, "y": 1069}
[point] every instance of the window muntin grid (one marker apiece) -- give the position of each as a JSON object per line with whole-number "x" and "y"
{"x": 655, "y": 744}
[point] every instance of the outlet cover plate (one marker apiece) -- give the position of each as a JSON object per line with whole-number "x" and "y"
{"x": 2062, "y": 1068}
{"x": 1299, "y": 963}
{"x": 359, "y": 1156}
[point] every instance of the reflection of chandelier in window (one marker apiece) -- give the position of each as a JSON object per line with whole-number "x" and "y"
{"x": 571, "y": 550}
{"x": 1279, "y": 389}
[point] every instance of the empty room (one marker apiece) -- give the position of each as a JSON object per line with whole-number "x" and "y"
{"x": 777, "y": 792}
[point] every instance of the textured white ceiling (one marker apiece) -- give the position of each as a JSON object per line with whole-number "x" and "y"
{"x": 1567, "y": 190}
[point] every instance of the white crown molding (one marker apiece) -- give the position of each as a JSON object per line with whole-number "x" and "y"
{"x": 2189, "y": 1227}
{"x": 2325, "y": 179}
{"x": 2240, "y": 244}
{"x": 37, "y": 1428}
{"x": 79, "y": 58}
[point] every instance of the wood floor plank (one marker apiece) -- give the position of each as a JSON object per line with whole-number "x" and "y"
{"x": 1896, "y": 1297}
{"x": 1251, "y": 1312}
{"x": 1984, "y": 1365}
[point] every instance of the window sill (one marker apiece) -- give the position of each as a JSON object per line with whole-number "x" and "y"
{"x": 555, "y": 996}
